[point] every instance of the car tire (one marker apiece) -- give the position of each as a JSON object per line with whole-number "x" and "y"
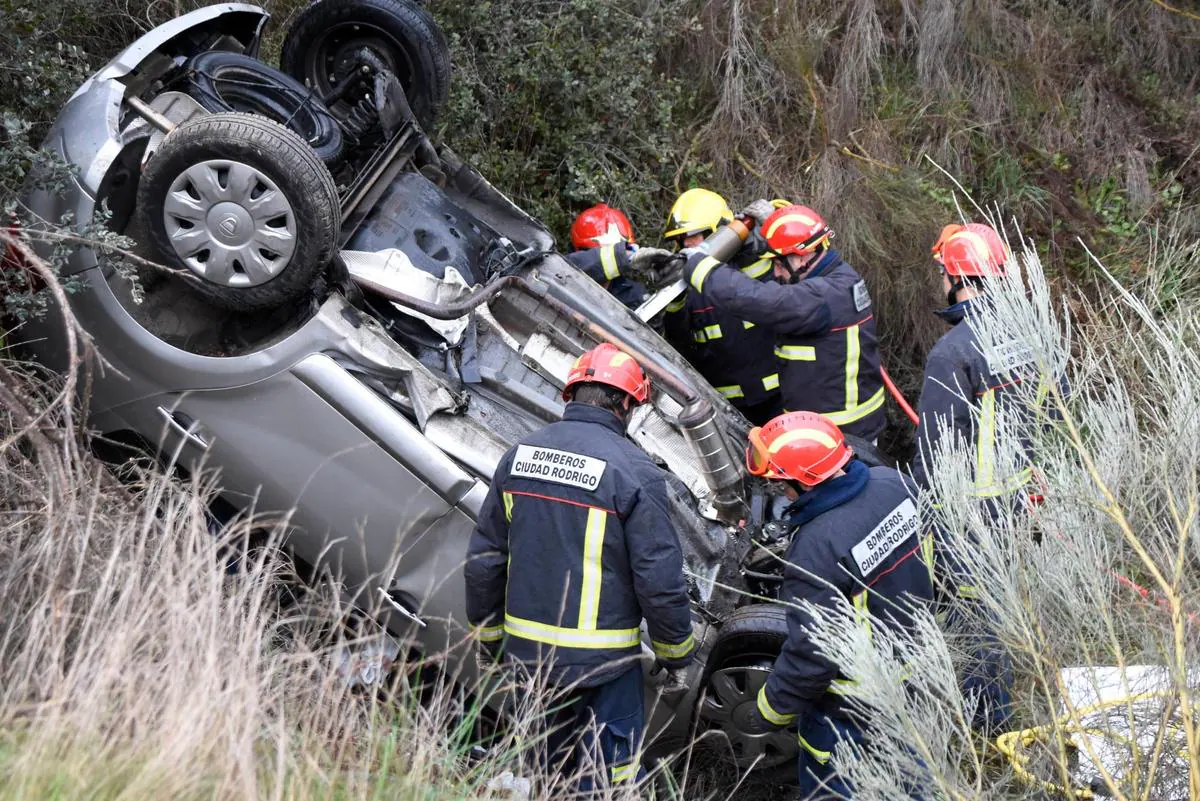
{"x": 320, "y": 43}
{"x": 242, "y": 204}
{"x": 223, "y": 81}
{"x": 741, "y": 659}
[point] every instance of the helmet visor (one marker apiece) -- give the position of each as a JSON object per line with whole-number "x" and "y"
{"x": 758, "y": 457}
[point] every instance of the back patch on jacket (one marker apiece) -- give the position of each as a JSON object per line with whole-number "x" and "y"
{"x": 900, "y": 524}
{"x": 862, "y": 298}
{"x": 560, "y": 467}
{"x": 1010, "y": 355}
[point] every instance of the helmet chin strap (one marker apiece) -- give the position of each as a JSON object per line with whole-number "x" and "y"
{"x": 952, "y": 295}
{"x": 796, "y": 276}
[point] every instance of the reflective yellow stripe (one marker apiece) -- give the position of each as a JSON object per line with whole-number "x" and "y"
{"x": 758, "y": 269}
{"x": 927, "y": 554}
{"x": 747, "y": 324}
{"x": 678, "y": 305}
{"x": 508, "y": 502}
{"x": 771, "y": 382}
{"x": 608, "y": 260}
{"x": 796, "y": 353}
{"x": 570, "y": 638}
{"x": 853, "y": 351}
{"x": 624, "y": 773}
{"x": 807, "y": 434}
{"x": 593, "y": 551}
{"x": 731, "y": 391}
{"x": 842, "y": 686}
{"x": 707, "y": 334}
{"x": 861, "y": 613}
{"x": 768, "y": 712}
{"x": 819, "y": 755}
{"x": 850, "y": 415}
{"x": 985, "y": 446}
{"x": 706, "y": 266}
{"x": 668, "y": 651}
{"x": 986, "y": 484}
{"x": 803, "y": 219}
{"x": 490, "y": 633}
{"x": 1005, "y": 487}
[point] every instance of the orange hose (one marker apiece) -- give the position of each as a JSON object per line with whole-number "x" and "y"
{"x": 899, "y": 396}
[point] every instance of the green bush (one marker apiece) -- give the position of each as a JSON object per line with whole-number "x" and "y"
{"x": 563, "y": 105}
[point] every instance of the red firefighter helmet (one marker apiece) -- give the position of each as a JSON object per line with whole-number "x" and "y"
{"x": 947, "y": 232}
{"x": 600, "y": 225}
{"x": 971, "y": 251}
{"x": 803, "y": 446}
{"x": 795, "y": 229}
{"x": 604, "y": 364}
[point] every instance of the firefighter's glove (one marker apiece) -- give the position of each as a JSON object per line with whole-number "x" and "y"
{"x": 674, "y": 684}
{"x": 488, "y": 655}
{"x": 645, "y": 259}
{"x": 665, "y": 273}
{"x": 758, "y": 211}
{"x": 755, "y": 723}
{"x": 754, "y": 246}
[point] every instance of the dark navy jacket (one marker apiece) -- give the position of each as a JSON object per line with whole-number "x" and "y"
{"x": 573, "y": 548}
{"x": 825, "y": 332}
{"x": 958, "y": 381}
{"x": 607, "y": 265}
{"x": 872, "y": 550}
{"x": 733, "y": 354}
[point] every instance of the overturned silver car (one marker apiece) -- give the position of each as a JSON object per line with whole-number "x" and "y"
{"x": 358, "y": 326}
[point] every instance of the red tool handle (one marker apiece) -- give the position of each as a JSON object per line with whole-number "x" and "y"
{"x": 899, "y": 396}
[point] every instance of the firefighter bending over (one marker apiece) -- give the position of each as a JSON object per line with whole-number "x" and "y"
{"x": 856, "y": 534}
{"x": 819, "y": 312}
{"x": 603, "y": 247}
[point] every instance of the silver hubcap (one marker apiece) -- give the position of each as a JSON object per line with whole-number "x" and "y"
{"x": 729, "y": 701}
{"x": 230, "y": 223}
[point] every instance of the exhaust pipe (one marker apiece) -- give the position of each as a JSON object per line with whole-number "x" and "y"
{"x": 699, "y": 423}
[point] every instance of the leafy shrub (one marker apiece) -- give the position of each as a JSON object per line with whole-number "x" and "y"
{"x": 563, "y": 105}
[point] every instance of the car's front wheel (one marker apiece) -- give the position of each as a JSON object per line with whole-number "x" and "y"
{"x": 244, "y": 206}
{"x": 741, "y": 660}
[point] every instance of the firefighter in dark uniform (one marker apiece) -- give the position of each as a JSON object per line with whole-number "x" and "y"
{"x": 819, "y": 312}
{"x": 735, "y": 355}
{"x": 604, "y": 249}
{"x": 962, "y": 397}
{"x": 856, "y": 534}
{"x": 573, "y": 549}
{"x": 962, "y": 393}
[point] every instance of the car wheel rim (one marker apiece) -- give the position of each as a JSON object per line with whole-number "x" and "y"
{"x": 729, "y": 701}
{"x": 229, "y": 223}
{"x": 337, "y": 55}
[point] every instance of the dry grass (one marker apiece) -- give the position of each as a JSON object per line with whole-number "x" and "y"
{"x": 145, "y": 653}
